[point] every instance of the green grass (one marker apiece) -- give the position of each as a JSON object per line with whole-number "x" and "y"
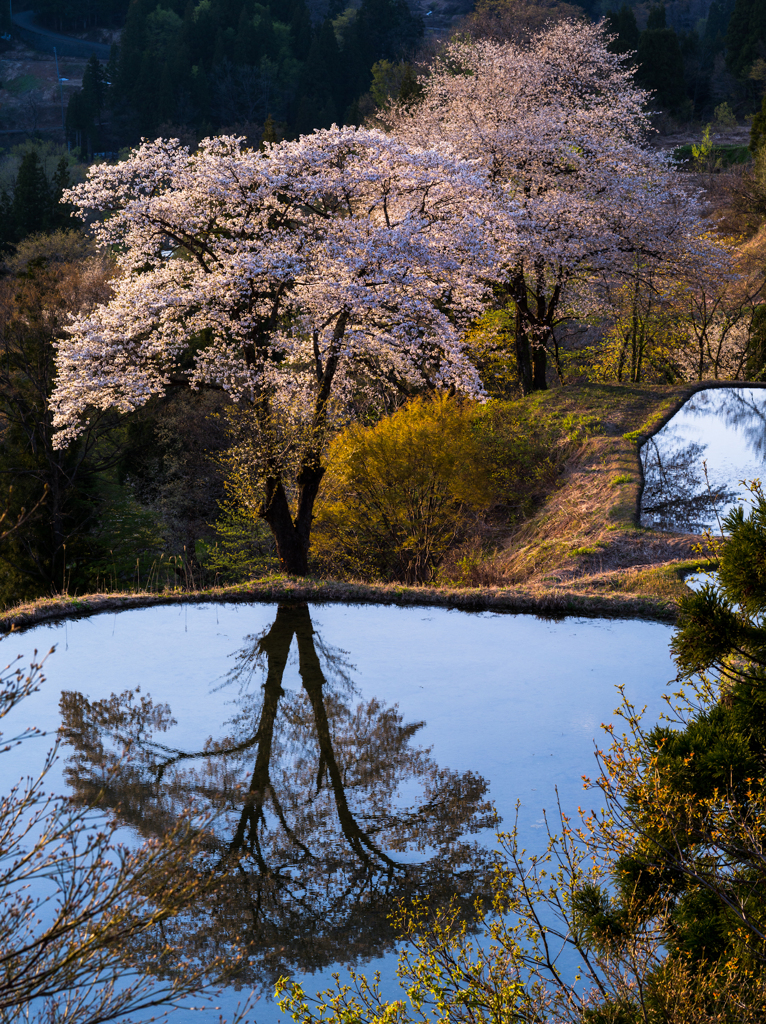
{"x": 21, "y": 85}
{"x": 586, "y": 532}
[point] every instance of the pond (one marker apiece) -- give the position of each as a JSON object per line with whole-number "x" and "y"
{"x": 381, "y": 746}
{"x": 697, "y": 466}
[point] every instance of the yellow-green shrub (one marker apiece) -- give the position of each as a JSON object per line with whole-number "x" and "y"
{"x": 397, "y": 496}
{"x": 490, "y": 344}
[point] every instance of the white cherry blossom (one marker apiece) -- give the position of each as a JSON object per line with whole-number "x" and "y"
{"x": 282, "y": 277}
{"x": 559, "y": 126}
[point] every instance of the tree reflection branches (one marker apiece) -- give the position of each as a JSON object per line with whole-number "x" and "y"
{"x": 677, "y": 493}
{"x": 77, "y": 907}
{"x": 327, "y": 810}
{"x": 741, "y": 408}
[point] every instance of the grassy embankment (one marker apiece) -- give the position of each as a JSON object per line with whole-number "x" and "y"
{"x": 582, "y": 552}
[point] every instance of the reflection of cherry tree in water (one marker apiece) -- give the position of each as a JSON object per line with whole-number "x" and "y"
{"x": 328, "y": 812}
{"x": 741, "y": 408}
{"x": 677, "y": 494}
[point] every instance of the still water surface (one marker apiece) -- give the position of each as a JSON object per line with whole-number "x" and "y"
{"x": 722, "y": 430}
{"x": 378, "y": 745}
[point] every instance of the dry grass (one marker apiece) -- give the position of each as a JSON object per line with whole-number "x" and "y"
{"x": 586, "y": 536}
{"x": 283, "y": 588}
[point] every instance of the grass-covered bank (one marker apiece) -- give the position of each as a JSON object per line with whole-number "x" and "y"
{"x": 581, "y": 553}
{"x": 553, "y": 603}
{"x": 586, "y": 536}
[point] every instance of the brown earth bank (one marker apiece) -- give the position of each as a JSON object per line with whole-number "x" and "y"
{"x": 583, "y": 553}
{"x": 549, "y": 604}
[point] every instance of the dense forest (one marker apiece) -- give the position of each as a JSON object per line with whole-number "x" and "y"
{"x": 281, "y": 69}
{"x": 219, "y": 66}
{"x": 696, "y": 68}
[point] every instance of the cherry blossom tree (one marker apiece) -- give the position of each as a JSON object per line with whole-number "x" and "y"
{"x": 327, "y": 810}
{"x": 559, "y": 127}
{"x": 293, "y": 279}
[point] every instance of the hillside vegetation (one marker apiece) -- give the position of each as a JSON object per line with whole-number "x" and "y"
{"x": 290, "y": 421}
{"x": 581, "y": 550}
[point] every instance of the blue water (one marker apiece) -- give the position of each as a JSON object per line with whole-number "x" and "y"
{"x": 514, "y": 700}
{"x": 722, "y": 430}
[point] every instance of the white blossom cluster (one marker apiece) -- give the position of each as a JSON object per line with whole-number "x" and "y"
{"x": 560, "y": 126}
{"x": 284, "y": 273}
{"x": 275, "y": 270}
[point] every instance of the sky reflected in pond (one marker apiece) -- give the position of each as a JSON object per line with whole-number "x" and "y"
{"x": 356, "y": 754}
{"x": 721, "y": 430}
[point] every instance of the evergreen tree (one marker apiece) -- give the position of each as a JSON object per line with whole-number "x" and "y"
{"x": 200, "y": 29}
{"x": 622, "y": 23}
{"x": 321, "y": 89}
{"x": 129, "y": 66}
{"x": 80, "y": 128}
{"x": 746, "y": 36}
{"x": 714, "y": 766}
{"x": 657, "y": 17}
{"x": 174, "y": 54}
{"x": 716, "y": 25}
{"x": 661, "y": 66}
{"x": 94, "y": 87}
{"x": 300, "y": 29}
{"x": 60, "y": 213}
{"x": 383, "y": 30}
{"x": 31, "y": 210}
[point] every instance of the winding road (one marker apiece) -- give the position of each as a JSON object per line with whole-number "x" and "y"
{"x": 43, "y": 40}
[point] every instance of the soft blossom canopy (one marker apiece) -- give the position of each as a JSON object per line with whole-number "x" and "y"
{"x": 293, "y": 278}
{"x": 343, "y": 245}
{"x": 560, "y": 127}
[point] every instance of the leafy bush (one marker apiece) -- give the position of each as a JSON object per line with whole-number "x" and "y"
{"x": 724, "y": 116}
{"x": 491, "y": 345}
{"x": 400, "y": 494}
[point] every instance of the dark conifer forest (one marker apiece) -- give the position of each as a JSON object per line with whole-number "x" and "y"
{"x": 279, "y": 69}
{"x": 221, "y": 65}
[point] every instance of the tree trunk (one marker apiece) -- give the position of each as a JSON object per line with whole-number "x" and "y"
{"x": 313, "y": 681}
{"x": 276, "y": 646}
{"x": 533, "y": 328}
{"x": 293, "y": 537}
{"x": 523, "y": 355}
{"x": 540, "y": 365}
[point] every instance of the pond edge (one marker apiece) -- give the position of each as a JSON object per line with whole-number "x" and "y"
{"x": 558, "y": 603}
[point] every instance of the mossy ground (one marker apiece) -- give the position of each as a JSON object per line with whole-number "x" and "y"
{"x": 582, "y": 553}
